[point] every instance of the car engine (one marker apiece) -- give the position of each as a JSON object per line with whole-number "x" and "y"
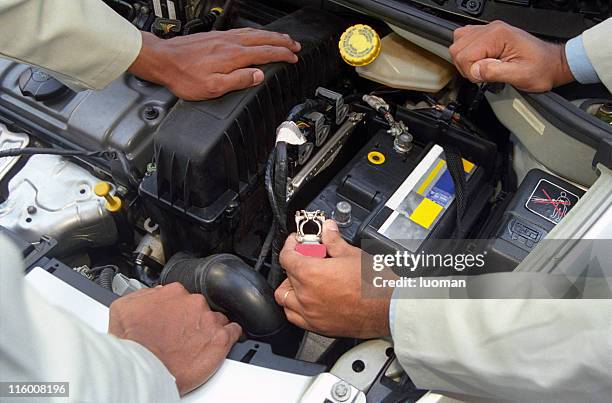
{"x": 130, "y": 187}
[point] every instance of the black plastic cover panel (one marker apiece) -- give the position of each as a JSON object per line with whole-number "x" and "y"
{"x": 212, "y": 151}
{"x": 555, "y": 18}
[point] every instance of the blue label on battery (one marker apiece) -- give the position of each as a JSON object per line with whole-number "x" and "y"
{"x": 443, "y": 191}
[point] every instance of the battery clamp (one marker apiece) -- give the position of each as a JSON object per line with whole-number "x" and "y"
{"x": 309, "y": 244}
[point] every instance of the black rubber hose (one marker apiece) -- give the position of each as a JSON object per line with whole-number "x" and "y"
{"x": 16, "y": 152}
{"x": 105, "y": 279}
{"x": 232, "y": 287}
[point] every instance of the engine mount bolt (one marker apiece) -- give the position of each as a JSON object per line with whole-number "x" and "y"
{"x": 32, "y": 210}
{"x": 150, "y": 113}
{"x": 342, "y": 213}
{"x": 341, "y": 391}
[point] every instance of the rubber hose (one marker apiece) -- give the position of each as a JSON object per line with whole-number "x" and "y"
{"x": 105, "y": 279}
{"x": 233, "y": 288}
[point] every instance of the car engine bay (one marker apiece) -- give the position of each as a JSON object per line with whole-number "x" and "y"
{"x": 130, "y": 187}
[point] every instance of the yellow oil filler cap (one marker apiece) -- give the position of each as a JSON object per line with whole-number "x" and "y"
{"x": 359, "y": 45}
{"x": 113, "y": 203}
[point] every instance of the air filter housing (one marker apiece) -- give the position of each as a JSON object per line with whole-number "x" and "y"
{"x": 210, "y": 155}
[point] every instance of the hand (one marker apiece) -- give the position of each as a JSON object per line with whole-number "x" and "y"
{"x": 324, "y": 295}
{"x": 210, "y": 64}
{"x": 179, "y": 328}
{"x": 498, "y": 52}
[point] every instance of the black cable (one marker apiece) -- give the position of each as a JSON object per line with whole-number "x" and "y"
{"x": 126, "y": 168}
{"x": 193, "y": 26}
{"x": 227, "y": 9}
{"x": 269, "y": 185}
{"x": 98, "y": 269}
{"x": 281, "y": 172}
{"x": 108, "y": 155}
{"x": 276, "y": 274}
{"x": 276, "y": 183}
{"x": 265, "y": 248}
{"x": 273, "y": 274}
{"x": 17, "y": 152}
{"x": 301, "y": 109}
{"x": 482, "y": 89}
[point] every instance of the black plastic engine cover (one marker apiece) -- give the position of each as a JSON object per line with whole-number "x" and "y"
{"x": 211, "y": 154}
{"x": 123, "y": 116}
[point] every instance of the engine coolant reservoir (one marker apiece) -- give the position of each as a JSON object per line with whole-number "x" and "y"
{"x": 402, "y": 64}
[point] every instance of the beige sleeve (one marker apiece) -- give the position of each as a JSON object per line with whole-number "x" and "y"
{"x": 598, "y": 45}
{"x": 518, "y": 350}
{"x": 39, "y": 342}
{"x": 83, "y": 42}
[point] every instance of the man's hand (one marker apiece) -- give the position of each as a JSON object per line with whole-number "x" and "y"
{"x": 210, "y": 64}
{"x": 179, "y": 328}
{"x": 498, "y": 52}
{"x": 324, "y": 295}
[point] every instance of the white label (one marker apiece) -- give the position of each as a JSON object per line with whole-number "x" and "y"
{"x": 157, "y": 8}
{"x": 529, "y": 116}
{"x": 171, "y": 10}
{"x": 414, "y": 177}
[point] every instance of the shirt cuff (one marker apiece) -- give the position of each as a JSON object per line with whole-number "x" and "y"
{"x": 579, "y": 62}
{"x": 392, "y": 308}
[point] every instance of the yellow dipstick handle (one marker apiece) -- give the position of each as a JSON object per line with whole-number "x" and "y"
{"x": 113, "y": 203}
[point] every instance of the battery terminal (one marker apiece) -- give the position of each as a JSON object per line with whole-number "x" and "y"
{"x": 309, "y": 243}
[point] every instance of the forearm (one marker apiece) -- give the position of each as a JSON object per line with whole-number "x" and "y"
{"x": 41, "y": 343}
{"x": 82, "y": 41}
{"x": 99, "y": 367}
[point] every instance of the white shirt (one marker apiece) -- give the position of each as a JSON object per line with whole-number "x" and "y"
{"x": 39, "y": 343}
{"x": 81, "y": 42}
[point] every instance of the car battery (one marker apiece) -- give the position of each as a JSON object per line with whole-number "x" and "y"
{"x": 540, "y": 203}
{"x": 397, "y": 200}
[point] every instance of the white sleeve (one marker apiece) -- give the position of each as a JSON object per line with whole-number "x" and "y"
{"x": 518, "y": 350}
{"x": 83, "y": 42}
{"x": 39, "y": 343}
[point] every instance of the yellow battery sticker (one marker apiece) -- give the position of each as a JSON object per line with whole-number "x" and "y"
{"x": 426, "y": 213}
{"x": 432, "y": 175}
